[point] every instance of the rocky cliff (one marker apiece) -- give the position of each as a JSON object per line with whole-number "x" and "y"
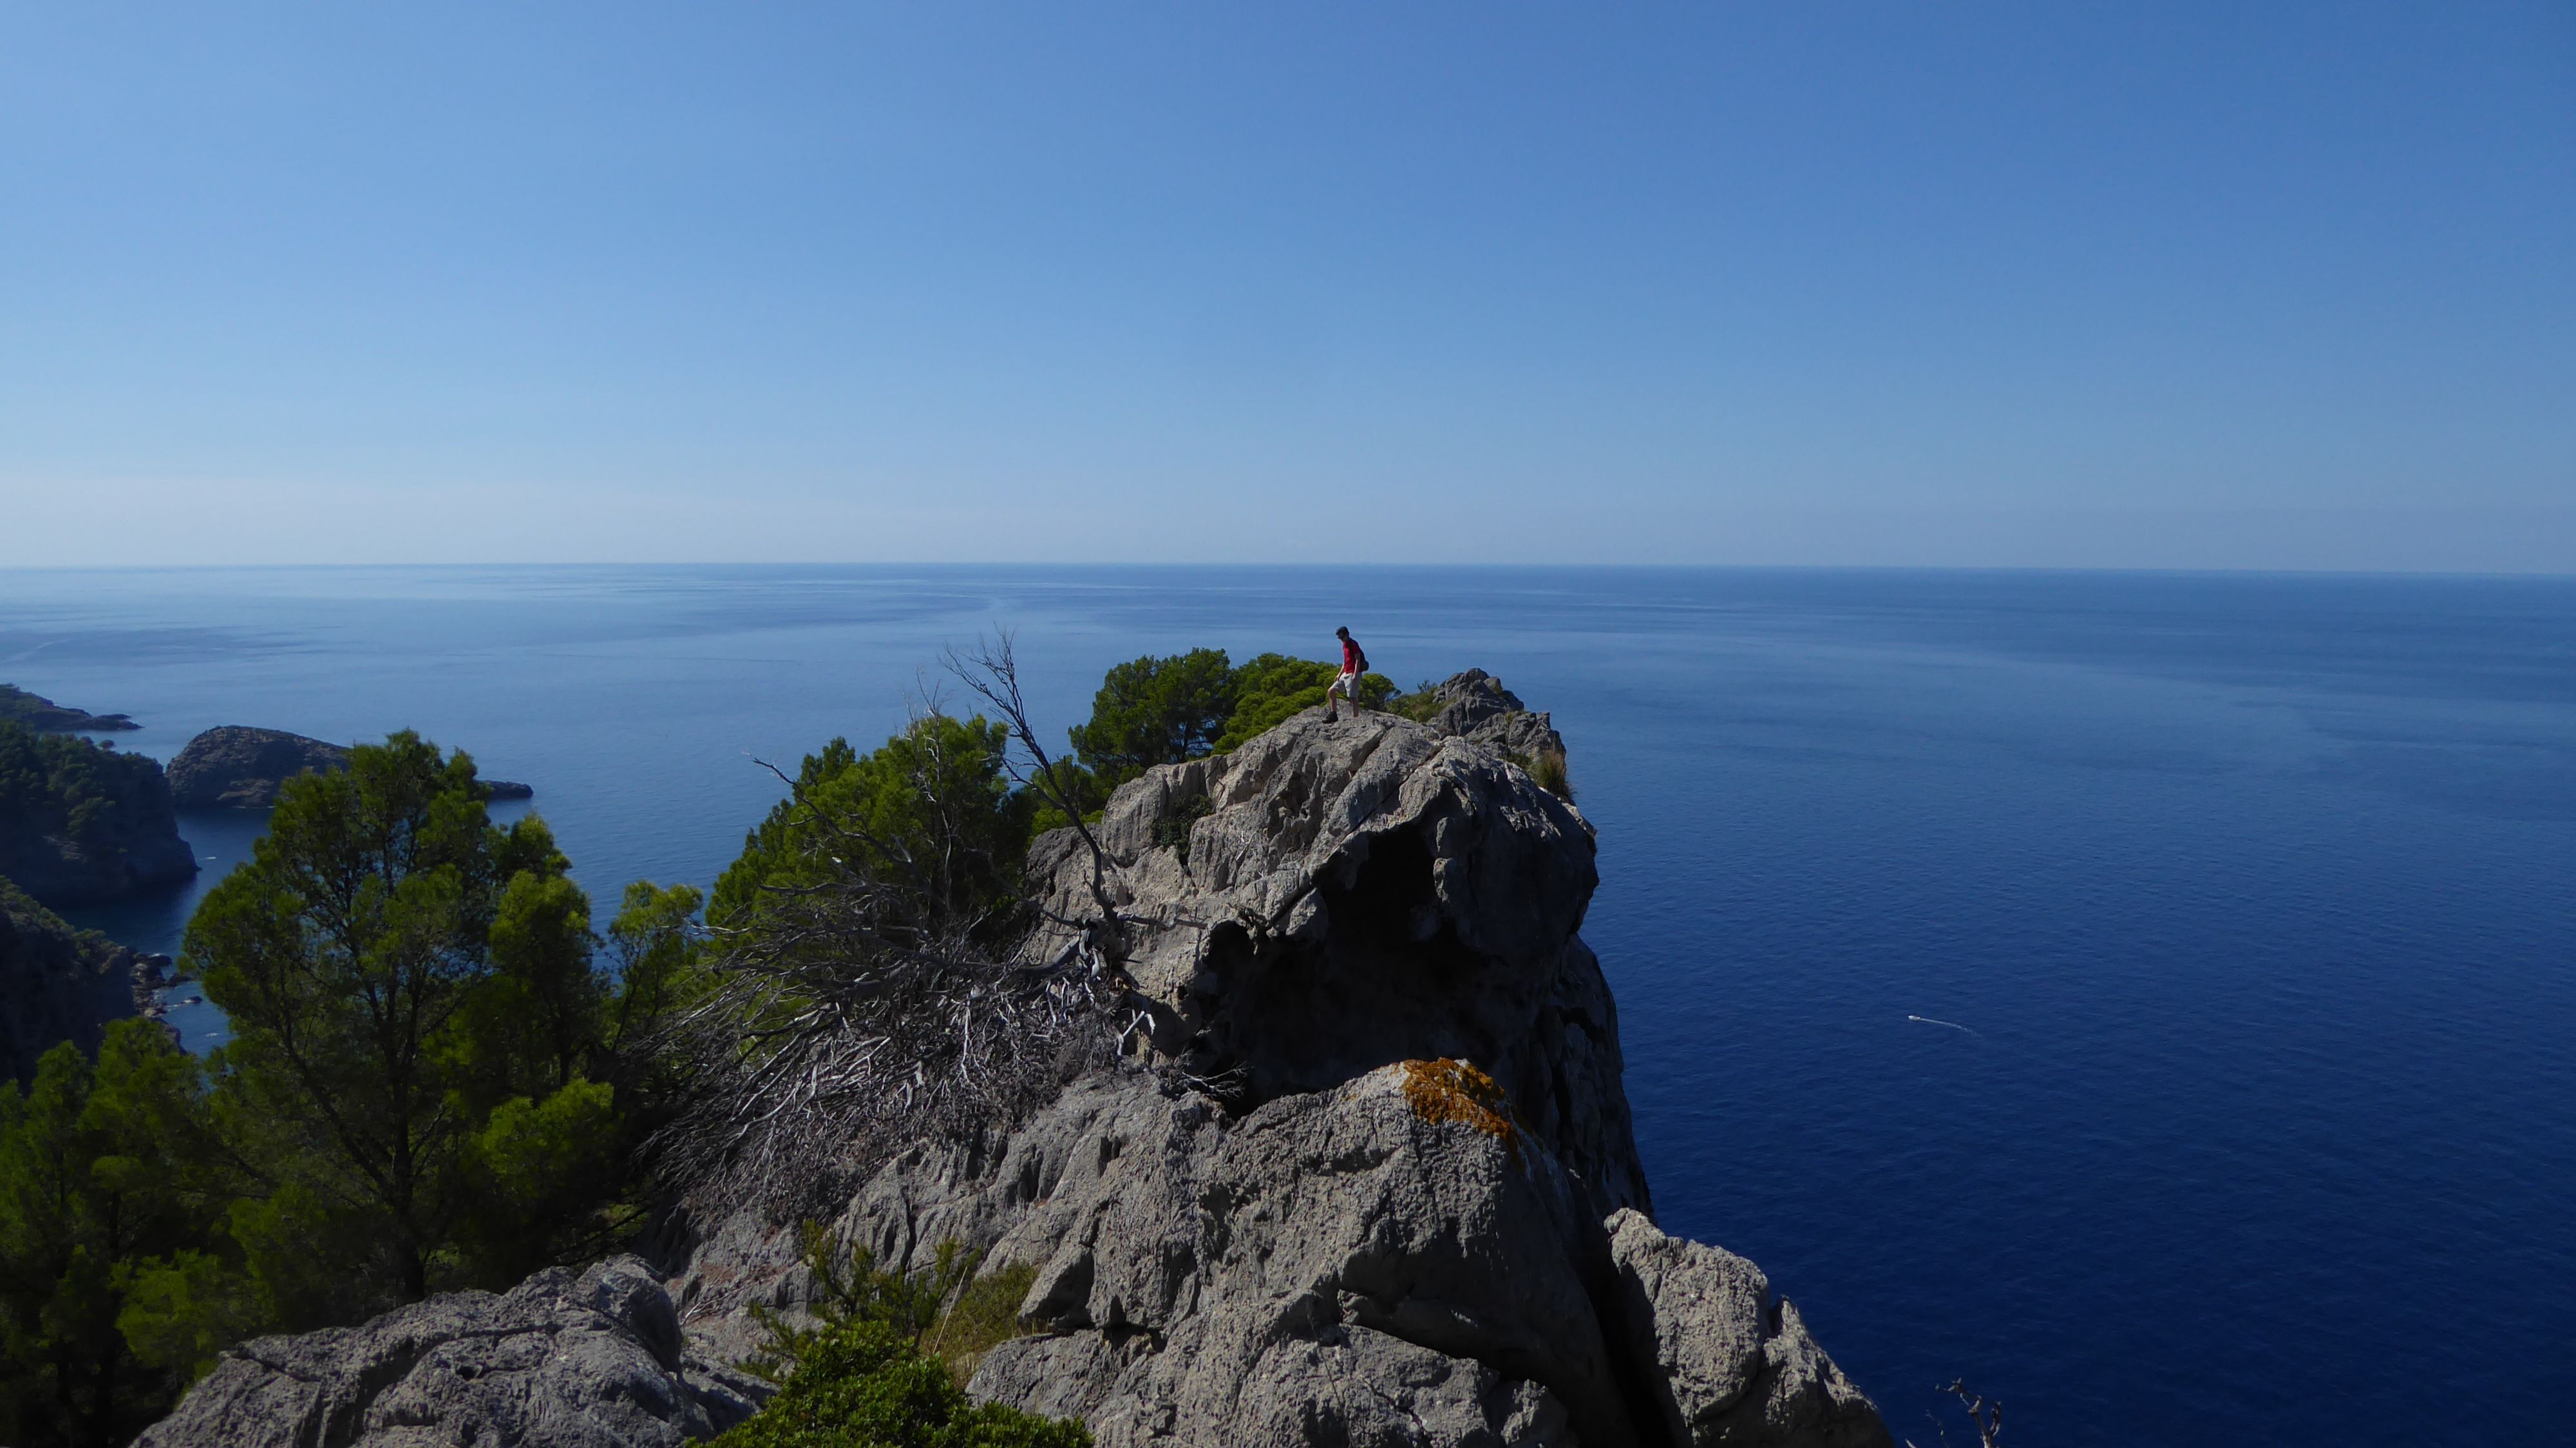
{"x": 57, "y": 984}
{"x": 1368, "y": 1176}
{"x": 234, "y": 766}
{"x": 1365, "y": 1172}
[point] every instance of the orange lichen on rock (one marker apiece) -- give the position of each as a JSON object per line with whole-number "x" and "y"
{"x": 1447, "y": 1090}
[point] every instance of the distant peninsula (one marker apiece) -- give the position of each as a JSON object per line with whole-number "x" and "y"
{"x": 42, "y": 714}
{"x": 236, "y": 766}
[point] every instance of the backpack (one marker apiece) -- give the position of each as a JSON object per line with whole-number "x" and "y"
{"x": 1363, "y": 653}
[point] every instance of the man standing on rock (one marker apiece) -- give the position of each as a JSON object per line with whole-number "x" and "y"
{"x": 1354, "y": 664}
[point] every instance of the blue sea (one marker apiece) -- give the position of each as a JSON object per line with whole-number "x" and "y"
{"x": 2148, "y": 997}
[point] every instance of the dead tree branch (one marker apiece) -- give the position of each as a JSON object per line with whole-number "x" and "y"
{"x": 870, "y": 1001}
{"x": 993, "y": 672}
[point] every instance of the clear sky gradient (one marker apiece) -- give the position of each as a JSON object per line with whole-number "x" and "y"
{"x": 2160, "y": 285}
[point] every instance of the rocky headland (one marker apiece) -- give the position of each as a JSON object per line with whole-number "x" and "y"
{"x": 43, "y": 714}
{"x": 236, "y": 766}
{"x": 1363, "y": 1174}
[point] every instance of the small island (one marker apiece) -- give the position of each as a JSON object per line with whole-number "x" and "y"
{"x": 236, "y": 766}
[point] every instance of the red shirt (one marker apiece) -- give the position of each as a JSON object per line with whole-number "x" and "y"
{"x": 1350, "y": 657}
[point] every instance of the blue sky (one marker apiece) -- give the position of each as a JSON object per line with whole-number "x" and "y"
{"x": 2170, "y": 285}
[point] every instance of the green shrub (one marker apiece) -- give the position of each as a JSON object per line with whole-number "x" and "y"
{"x": 986, "y": 1315}
{"x": 879, "y": 1369}
{"x": 863, "y": 1385}
{"x": 1417, "y": 706}
{"x": 1547, "y": 771}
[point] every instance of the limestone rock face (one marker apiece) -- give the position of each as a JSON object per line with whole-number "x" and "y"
{"x": 1475, "y": 705}
{"x": 1733, "y": 1364}
{"x": 565, "y": 1360}
{"x": 1281, "y": 1223}
{"x": 1334, "y": 897}
{"x": 1334, "y": 1256}
{"x": 234, "y": 766}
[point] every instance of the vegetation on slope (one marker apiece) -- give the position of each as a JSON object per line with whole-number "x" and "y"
{"x": 119, "y": 1273}
{"x": 432, "y": 1084}
{"x": 879, "y": 1368}
{"x": 933, "y": 806}
{"x": 81, "y": 821}
{"x": 433, "y": 1080}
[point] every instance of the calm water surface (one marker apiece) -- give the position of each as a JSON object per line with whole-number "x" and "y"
{"x": 2251, "y": 901}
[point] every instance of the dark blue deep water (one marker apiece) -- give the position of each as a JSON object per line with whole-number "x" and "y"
{"x": 2253, "y": 901}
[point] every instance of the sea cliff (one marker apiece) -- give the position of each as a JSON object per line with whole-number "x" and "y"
{"x": 1361, "y": 1172}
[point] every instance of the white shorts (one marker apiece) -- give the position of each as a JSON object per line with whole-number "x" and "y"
{"x": 1344, "y": 686}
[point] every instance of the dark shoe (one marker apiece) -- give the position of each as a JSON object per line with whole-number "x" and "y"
{"x": 1331, "y": 718}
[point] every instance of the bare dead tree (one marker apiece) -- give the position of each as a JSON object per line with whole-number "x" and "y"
{"x": 875, "y": 1002}
{"x": 993, "y": 672}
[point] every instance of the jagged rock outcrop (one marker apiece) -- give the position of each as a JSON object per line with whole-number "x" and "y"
{"x": 1732, "y": 1363}
{"x": 1342, "y": 1267}
{"x": 1337, "y": 897}
{"x": 57, "y": 984}
{"x": 1474, "y": 705}
{"x": 234, "y": 766}
{"x": 84, "y": 823}
{"x": 1369, "y": 1175}
{"x": 1333, "y": 1257}
{"x": 594, "y": 1359}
